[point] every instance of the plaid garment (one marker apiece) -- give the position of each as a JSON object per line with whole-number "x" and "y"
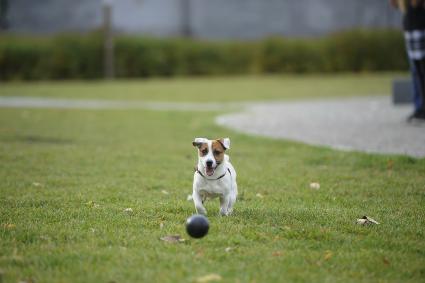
{"x": 415, "y": 44}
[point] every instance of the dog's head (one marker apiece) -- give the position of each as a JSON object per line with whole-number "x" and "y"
{"x": 211, "y": 153}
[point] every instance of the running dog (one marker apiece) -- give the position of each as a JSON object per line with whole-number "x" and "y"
{"x": 214, "y": 175}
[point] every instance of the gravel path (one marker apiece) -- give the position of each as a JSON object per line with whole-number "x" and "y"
{"x": 370, "y": 124}
{"x": 62, "y": 103}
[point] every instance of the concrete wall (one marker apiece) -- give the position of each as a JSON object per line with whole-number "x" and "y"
{"x": 157, "y": 17}
{"x": 256, "y": 18}
{"x": 205, "y": 18}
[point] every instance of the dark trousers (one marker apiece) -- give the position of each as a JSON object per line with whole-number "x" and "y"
{"x": 419, "y": 69}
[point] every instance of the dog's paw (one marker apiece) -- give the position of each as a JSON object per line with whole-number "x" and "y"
{"x": 224, "y": 212}
{"x": 201, "y": 210}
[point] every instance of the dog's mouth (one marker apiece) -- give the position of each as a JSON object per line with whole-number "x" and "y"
{"x": 209, "y": 171}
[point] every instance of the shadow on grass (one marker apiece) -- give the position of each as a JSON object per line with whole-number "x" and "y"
{"x": 32, "y": 139}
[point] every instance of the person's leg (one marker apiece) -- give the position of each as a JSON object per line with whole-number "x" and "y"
{"x": 417, "y": 99}
{"x": 420, "y": 70}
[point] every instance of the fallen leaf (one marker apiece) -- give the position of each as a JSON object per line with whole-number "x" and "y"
{"x": 44, "y": 238}
{"x": 228, "y": 249}
{"x": 189, "y": 197}
{"x": 314, "y": 186}
{"x": 161, "y": 225}
{"x": 164, "y": 192}
{"x": 277, "y": 253}
{"x": 328, "y": 255}
{"x": 366, "y": 220}
{"x": 128, "y": 210}
{"x": 173, "y": 239}
{"x": 386, "y": 261}
{"x": 208, "y": 278}
{"x": 92, "y": 204}
{"x": 9, "y": 226}
{"x": 37, "y": 184}
{"x": 258, "y": 195}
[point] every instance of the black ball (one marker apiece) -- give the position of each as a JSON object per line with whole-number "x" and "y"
{"x": 197, "y": 226}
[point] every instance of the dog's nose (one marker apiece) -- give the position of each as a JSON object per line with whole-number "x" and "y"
{"x": 209, "y": 163}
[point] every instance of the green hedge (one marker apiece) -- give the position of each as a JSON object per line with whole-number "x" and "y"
{"x": 81, "y": 56}
{"x": 353, "y": 51}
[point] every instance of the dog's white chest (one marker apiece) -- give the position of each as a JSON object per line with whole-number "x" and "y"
{"x": 212, "y": 189}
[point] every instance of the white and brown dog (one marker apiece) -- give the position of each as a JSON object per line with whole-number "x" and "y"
{"x": 214, "y": 175}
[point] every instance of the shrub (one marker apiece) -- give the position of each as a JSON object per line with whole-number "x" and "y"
{"x": 362, "y": 50}
{"x": 350, "y": 51}
{"x": 293, "y": 56}
{"x": 74, "y": 56}
{"x": 23, "y": 58}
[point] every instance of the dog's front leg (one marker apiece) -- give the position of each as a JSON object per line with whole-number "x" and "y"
{"x": 224, "y": 205}
{"x": 197, "y": 200}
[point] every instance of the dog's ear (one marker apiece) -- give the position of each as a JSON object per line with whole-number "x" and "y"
{"x": 225, "y": 142}
{"x": 199, "y": 141}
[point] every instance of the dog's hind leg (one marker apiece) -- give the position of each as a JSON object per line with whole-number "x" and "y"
{"x": 232, "y": 198}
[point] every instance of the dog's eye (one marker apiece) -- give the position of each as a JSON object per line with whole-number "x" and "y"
{"x": 216, "y": 152}
{"x": 204, "y": 152}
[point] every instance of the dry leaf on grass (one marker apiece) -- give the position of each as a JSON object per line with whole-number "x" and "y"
{"x": 208, "y": 278}
{"x": 164, "y": 192}
{"x": 92, "y": 204}
{"x": 173, "y": 239}
{"x": 44, "y": 238}
{"x": 259, "y": 195}
{"x": 328, "y": 255}
{"x": 386, "y": 261}
{"x": 366, "y": 220}
{"x": 9, "y": 226}
{"x": 314, "y": 186}
{"x": 128, "y": 210}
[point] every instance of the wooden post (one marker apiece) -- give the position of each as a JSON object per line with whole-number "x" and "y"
{"x": 186, "y": 18}
{"x": 108, "y": 46}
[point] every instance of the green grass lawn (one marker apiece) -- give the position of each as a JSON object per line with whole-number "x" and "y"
{"x": 67, "y": 176}
{"x": 212, "y": 89}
